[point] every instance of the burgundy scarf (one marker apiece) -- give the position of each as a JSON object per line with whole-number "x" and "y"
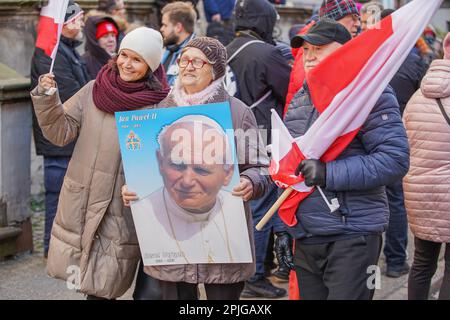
{"x": 112, "y": 94}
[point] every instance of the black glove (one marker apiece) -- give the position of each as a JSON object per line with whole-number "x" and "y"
{"x": 283, "y": 250}
{"x": 314, "y": 172}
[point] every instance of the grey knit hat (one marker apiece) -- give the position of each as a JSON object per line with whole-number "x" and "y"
{"x": 213, "y": 50}
{"x": 73, "y": 11}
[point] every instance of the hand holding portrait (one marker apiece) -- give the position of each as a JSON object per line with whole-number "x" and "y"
{"x": 244, "y": 189}
{"x": 128, "y": 196}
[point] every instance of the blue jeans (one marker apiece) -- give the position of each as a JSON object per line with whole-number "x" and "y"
{"x": 54, "y": 171}
{"x": 397, "y": 233}
{"x": 259, "y": 208}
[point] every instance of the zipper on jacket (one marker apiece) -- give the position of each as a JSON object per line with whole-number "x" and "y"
{"x": 343, "y": 203}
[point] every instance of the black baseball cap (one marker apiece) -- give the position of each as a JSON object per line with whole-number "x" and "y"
{"x": 325, "y": 31}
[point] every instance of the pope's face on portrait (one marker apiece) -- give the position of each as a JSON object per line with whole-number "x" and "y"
{"x": 192, "y": 184}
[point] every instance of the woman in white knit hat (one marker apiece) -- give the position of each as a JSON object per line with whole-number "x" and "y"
{"x": 93, "y": 243}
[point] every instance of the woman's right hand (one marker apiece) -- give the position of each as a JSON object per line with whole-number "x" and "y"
{"x": 46, "y": 82}
{"x": 128, "y": 196}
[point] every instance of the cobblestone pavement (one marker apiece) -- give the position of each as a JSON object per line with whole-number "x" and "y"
{"x": 24, "y": 276}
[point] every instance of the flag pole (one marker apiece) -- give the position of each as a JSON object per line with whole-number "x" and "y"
{"x": 53, "y": 60}
{"x": 274, "y": 208}
{"x": 63, "y": 9}
{"x": 60, "y": 27}
{"x": 333, "y": 206}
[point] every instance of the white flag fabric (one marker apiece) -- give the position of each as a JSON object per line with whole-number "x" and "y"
{"x": 50, "y": 26}
{"x": 344, "y": 89}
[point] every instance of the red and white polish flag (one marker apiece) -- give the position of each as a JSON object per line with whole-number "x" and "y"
{"x": 50, "y": 26}
{"x": 344, "y": 89}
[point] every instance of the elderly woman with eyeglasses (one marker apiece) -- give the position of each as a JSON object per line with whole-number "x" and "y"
{"x": 202, "y": 65}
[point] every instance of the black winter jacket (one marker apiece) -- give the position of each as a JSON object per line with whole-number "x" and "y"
{"x": 408, "y": 78}
{"x": 260, "y": 67}
{"x": 70, "y": 75}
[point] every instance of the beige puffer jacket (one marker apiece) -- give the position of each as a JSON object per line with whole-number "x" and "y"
{"x": 93, "y": 235}
{"x": 427, "y": 184}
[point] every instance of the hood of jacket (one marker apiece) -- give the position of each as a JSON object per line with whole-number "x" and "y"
{"x": 436, "y": 83}
{"x": 90, "y": 31}
{"x": 258, "y": 16}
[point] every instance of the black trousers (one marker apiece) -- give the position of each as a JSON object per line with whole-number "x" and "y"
{"x": 426, "y": 255}
{"x": 340, "y": 270}
{"x": 146, "y": 288}
{"x": 189, "y": 291}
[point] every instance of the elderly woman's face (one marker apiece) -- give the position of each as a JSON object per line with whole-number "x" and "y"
{"x": 132, "y": 66}
{"x": 195, "y": 71}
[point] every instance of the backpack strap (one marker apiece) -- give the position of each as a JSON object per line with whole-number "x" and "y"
{"x": 439, "y": 102}
{"x": 245, "y": 45}
{"x": 264, "y": 97}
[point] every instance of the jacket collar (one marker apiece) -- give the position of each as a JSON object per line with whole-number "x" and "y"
{"x": 249, "y": 33}
{"x": 70, "y": 42}
{"x": 177, "y": 47}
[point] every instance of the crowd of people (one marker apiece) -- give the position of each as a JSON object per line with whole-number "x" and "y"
{"x": 394, "y": 175}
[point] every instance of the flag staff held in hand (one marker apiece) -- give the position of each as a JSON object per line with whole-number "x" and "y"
{"x": 274, "y": 208}
{"x": 314, "y": 172}
{"x": 58, "y": 17}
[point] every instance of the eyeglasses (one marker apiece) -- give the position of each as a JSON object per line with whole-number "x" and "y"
{"x": 197, "y": 63}
{"x": 356, "y": 17}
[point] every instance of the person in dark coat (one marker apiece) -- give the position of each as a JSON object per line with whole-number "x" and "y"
{"x": 262, "y": 76}
{"x": 71, "y": 75}
{"x": 408, "y": 78}
{"x": 218, "y": 31}
{"x": 405, "y": 83}
{"x": 337, "y": 253}
{"x": 218, "y": 10}
{"x": 101, "y": 43}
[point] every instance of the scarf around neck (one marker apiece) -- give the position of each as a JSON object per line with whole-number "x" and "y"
{"x": 112, "y": 94}
{"x": 215, "y": 92}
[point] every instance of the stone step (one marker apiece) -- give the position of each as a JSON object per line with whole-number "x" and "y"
{"x": 8, "y": 236}
{"x": 9, "y": 232}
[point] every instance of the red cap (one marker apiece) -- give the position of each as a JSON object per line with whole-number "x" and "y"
{"x": 104, "y": 28}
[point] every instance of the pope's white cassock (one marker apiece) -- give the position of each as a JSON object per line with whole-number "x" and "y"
{"x": 168, "y": 234}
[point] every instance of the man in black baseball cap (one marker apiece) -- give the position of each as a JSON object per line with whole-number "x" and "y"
{"x": 331, "y": 255}
{"x": 322, "y": 39}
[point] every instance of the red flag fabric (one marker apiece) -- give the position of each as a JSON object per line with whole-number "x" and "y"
{"x": 344, "y": 89}
{"x": 298, "y": 71}
{"x": 50, "y": 26}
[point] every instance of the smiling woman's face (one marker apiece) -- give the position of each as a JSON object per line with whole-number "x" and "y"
{"x": 195, "y": 80}
{"x": 132, "y": 66}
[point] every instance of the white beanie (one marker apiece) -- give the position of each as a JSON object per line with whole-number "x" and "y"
{"x": 146, "y": 42}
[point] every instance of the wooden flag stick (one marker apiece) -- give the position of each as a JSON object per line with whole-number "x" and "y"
{"x": 274, "y": 208}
